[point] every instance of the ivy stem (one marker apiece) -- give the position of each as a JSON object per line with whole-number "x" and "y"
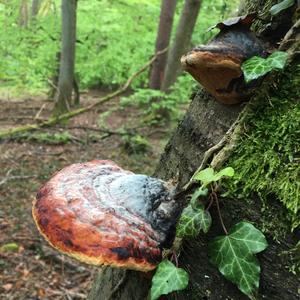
{"x": 175, "y": 259}
{"x": 219, "y": 212}
{"x": 210, "y": 203}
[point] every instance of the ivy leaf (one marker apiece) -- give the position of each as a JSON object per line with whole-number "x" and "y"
{"x": 277, "y": 59}
{"x": 192, "y": 221}
{"x": 227, "y": 172}
{"x": 234, "y": 256}
{"x": 168, "y": 279}
{"x": 277, "y": 8}
{"x": 256, "y": 66}
{"x": 201, "y": 192}
{"x": 206, "y": 176}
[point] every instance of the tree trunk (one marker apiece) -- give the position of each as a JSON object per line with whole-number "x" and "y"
{"x": 162, "y": 41}
{"x": 35, "y": 6}
{"x": 23, "y": 18}
{"x": 182, "y": 41}
{"x": 203, "y": 126}
{"x": 67, "y": 60}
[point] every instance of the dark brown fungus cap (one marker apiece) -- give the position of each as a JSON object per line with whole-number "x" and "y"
{"x": 217, "y": 65}
{"x": 101, "y": 214}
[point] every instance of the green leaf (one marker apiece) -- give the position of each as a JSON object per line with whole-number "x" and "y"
{"x": 227, "y": 172}
{"x": 192, "y": 221}
{"x": 256, "y": 67}
{"x": 234, "y": 256}
{"x": 11, "y": 247}
{"x": 168, "y": 279}
{"x": 206, "y": 176}
{"x": 201, "y": 192}
{"x": 277, "y": 59}
{"x": 277, "y": 8}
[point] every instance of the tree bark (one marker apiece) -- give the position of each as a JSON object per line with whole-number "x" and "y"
{"x": 35, "y": 6}
{"x": 162, "y": 41}
{"x": 203, "y": 126}
{"x": 67, "y": 60}
{"x": 181, "y": 42}
{"x": 23, "y": 18}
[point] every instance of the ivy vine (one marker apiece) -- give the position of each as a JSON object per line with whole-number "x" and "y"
{"x": 233, "y": 253}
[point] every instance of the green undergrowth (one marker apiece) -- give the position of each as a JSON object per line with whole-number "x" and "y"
{"x": 114, "y": 39}
{"x": 267, "y": 160}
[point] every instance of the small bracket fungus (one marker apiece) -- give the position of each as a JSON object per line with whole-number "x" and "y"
{"x": 100, "y": 214}
{"x": 217, "y": 65}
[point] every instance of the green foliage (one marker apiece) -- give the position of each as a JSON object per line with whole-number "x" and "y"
{"x": 114, "y": 39}
{"x": 256, "y": 66}
{"x": 10, "y": 247}
{"x": 153, "y": 101}
{"x": 168, "y": 279}
{"x": 266, "y": 160}
{"x": 208, "y": 175}
{"x": 136, "y": 144}
{"x": 276, "y": 9}
{"x": 234, "y": 256}
{"x": 27, "y": 54}
{"x": 192, "y": 221}
{"x": 47, "y": 138}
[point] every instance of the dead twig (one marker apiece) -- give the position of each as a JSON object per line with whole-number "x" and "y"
{"x": 39, "y": 112}
{"x": 234, "y": 130}
{"x": 9, "y": 178}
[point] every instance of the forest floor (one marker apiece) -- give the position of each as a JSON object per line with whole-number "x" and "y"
{"x": 29, "y": 267}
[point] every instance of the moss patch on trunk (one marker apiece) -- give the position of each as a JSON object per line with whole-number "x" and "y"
{"x": 267, "y": 159}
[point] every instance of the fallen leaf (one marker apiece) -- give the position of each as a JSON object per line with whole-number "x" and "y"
{"x": 7, "y": 287}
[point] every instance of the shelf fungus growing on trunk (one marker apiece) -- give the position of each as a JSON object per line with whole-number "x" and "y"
{"x": 101, "y": 214}
{"x": 217, "y": 65}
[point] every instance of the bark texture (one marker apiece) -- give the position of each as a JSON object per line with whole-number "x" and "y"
{"x": 181, "y": 42}
{"x": 67, "y": 60}
{"x": 35, "y": 6}
{"x": 23, "y": 18}
{"x": 162, "y": 41}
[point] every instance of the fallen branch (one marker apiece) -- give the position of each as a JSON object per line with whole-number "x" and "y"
{"x": 107, "y": 131}
{"x": 54, "y": 120}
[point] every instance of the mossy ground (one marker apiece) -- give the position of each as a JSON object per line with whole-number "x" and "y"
{"x": 267, "y": 159}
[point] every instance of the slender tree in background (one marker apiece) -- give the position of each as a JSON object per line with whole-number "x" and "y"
{"x": 162, "y": 41}
{"x": 35, "y": 6}
{"x": 23, "y": 18}
{"x": 67, "y": 59}
{"x": 182, "y": 41}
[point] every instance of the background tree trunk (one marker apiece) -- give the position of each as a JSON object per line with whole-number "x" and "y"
{"x": 67, "y": 60}
{"x": 181, "y": 42}
{"x": 35, "y": 6}
{"x": 162, "y": 41}
{"x": 202, "y": 127}
{"x": 23, "y": 18}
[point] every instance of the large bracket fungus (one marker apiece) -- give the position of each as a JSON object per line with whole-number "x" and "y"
{"x": 100, "y": 214}
{"x": 217, "y": 65}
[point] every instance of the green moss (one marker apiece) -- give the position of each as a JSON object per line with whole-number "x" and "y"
{"x": 267, "y": 160}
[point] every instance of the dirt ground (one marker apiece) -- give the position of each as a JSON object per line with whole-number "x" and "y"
{"x": 29, "y": 267}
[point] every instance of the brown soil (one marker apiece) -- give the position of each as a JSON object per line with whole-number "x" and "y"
{"x": 29, "y": 268}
